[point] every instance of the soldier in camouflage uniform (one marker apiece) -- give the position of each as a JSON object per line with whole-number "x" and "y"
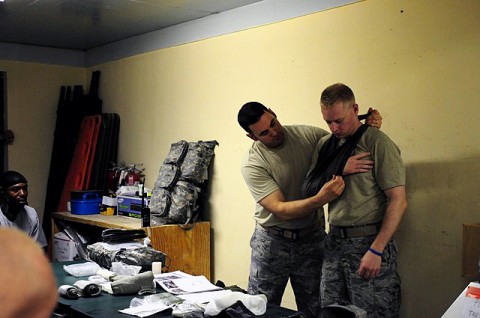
{"x": 287, "y": 241}
{"x": 360, "y": 255}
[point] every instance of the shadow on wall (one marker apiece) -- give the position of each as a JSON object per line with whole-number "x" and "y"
{"x": 442, "y": 196}
{"x": 205, "y": 205}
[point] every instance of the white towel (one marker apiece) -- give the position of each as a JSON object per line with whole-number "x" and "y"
{"x": 257, "y": 304}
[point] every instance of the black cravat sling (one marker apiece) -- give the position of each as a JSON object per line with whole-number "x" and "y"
{"x": 331, "y": 161}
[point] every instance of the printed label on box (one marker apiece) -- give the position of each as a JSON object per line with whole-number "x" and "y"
{"x": 130, "y": 206}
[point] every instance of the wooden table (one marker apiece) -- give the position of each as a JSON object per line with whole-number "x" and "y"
{"x": 188, "y": 249}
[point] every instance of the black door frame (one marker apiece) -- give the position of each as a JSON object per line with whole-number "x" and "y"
{"x": 3, "y": 121}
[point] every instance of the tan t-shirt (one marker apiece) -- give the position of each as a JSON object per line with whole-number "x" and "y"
{"x": 285, "y": 167}
{"x": 363, "y": 200}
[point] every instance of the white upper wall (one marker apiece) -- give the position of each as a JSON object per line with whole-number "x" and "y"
{"x": 260, "y": 13}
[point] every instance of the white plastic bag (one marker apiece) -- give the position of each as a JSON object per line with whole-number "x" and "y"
{"x": 82, "y": 269}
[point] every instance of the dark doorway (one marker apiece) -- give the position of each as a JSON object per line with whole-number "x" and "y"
{"x": 3, "y": 122}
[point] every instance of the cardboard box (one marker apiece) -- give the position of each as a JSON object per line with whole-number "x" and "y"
{"x": 471, "y": 251}
{"x": 130, "y": 206}
{"x": 64, "y": 248}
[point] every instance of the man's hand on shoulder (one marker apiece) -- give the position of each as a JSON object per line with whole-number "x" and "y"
{"x": 374, "y": 119}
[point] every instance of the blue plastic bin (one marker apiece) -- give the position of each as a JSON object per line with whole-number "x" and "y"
{"x": 87, "y": 203}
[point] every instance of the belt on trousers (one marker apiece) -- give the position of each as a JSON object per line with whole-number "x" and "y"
{"x": 354, "y": 231}
{"x": 290, "y": 234}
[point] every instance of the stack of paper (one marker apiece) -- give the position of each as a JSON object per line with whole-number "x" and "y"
{"x": 179, "y": 283}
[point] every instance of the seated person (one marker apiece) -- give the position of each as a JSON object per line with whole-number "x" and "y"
{"x": 14, "y": 211}
{"x": 29, "y": 289}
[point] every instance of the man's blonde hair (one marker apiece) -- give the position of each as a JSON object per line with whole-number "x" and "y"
{"x": 336, "y": 93}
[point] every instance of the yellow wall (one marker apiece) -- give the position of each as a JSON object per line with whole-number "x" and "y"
{"x": 414, "y": 61}
{"x": 33, "y": 92}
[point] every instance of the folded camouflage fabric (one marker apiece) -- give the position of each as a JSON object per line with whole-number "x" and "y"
{"x": 103, "y": 254}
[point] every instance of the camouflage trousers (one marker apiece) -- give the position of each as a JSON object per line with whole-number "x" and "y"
{"x": 379, "y": 297}
{"x": 275, "y": 260}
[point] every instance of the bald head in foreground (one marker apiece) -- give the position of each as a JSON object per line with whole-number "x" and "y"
{"x": 28, "y": 286}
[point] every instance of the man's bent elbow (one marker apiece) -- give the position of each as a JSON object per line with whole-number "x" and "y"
{"x": 404, "y": 206}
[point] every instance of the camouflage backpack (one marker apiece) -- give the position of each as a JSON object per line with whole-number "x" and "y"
{"x": 181, "y": 182}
